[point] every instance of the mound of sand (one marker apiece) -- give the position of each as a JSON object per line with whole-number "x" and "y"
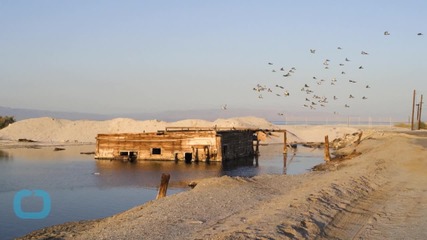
{"x": 82, "y": 131}
{"x": 51, "y": 130}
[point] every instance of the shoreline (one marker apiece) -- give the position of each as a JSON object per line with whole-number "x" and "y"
{"x": 272, "y": 206}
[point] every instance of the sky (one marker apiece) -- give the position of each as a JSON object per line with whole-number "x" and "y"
{"x": 148, "y": 56}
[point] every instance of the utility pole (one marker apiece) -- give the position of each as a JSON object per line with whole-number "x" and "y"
{"x": 413, "y": 109}
{"x": 419, "y": 116}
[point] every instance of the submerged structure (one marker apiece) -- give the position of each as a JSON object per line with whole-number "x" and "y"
{"x": 178, "y": 143}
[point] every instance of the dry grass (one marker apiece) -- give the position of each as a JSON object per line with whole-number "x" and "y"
{"x": 406, "y": 125}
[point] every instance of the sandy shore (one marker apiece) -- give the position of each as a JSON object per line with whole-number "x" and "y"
{"x": 379, "y": 194}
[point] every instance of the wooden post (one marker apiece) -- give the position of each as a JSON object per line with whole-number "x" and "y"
{"x": 327, "y": 155}
{"x": 285, "y": 144}
{"x": 413, "y": 109}
{"x": 285, "y": 162}
{"x": 257, "y": 145}
{"x": 359, "y": 138}
{"x": 256, "y": 161}
{"x": 257, "y": 148}
{"x": 163, "y": 185}
{"x": 419, "y": 117}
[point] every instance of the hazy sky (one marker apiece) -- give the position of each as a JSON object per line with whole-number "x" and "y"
{"x": 146, "y": 56}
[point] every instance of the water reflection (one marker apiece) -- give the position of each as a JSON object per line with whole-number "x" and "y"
{"x": 84, "y": 188}
{"x": 5, "y": 155}
{"x": 147, "y": 173}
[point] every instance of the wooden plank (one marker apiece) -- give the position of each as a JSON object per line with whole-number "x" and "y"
{"x": 163, "y": 185}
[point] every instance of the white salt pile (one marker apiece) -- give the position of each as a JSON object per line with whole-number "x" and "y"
{"x": 83, "y": 131}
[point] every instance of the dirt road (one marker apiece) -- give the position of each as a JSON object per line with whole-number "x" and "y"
{"x": 397, "y": 210}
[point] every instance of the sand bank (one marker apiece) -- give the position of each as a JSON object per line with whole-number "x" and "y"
{"x": 50, "y": 131}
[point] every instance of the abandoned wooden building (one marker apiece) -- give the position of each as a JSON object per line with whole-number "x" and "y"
{"x": 186, "y": 144}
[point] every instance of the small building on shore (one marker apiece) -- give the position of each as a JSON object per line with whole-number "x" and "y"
{"x": 179, "y": 144}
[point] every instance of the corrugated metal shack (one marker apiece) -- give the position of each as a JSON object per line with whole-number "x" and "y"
{"x": 178, "y": 143}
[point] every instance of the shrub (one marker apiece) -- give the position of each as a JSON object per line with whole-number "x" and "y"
{"x": 6, "y": 120}
{"x": 423, "y": 125}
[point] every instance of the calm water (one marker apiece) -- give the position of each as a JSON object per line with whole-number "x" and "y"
{"x": 83, "y": 188}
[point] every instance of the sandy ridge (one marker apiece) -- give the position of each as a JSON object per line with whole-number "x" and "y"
{"x": 50, "y": 130}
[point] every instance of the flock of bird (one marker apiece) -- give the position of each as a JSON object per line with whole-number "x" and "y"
{"x": 310, "y": 88}
{"x": 312, "y": 100}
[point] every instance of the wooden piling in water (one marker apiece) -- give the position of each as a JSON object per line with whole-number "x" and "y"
{"x": 163, "y": 185}
{"x": 285, "y": 163}
{"x": 327, "y": 154}
{"x": 257, "y": 145}
{"x": 285, "y": 144}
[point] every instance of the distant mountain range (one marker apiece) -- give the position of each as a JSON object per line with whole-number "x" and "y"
{"x": 208, "y": 114}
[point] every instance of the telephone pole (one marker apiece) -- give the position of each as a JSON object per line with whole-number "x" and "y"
{"x": 413, "y": 109}
{"x": 419, "y": 116}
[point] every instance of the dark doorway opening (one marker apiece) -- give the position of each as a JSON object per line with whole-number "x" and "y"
{"x": 188, "y": 157}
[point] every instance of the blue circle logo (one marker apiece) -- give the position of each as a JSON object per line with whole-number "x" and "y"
{"x": 17, "y": 204}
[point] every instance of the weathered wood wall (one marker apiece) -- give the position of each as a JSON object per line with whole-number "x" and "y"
{"x": 236, "y": 144}
{"x": 204, "y": 145}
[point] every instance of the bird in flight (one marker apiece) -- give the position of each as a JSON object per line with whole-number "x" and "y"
{"x": 313, "y": 50}
{"x": 347, "y": 60}
{"x": 361, "y": 67}
{"x": 364, "y": 53}
{"x": 270, "y": 63}
{"x": 386, "y": 33}
{"x": 347, "y": 106}
{"x": 364, "y": 98}
{"x": 367, "y": 86}
{"x": 224, "y": 107}
{"x": 419, "y": 34}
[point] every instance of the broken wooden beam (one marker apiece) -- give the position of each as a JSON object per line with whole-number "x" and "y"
{"x": 163, "y": 185}
{"x": 285, "y": 144}
{"x": 327, "y": 154}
